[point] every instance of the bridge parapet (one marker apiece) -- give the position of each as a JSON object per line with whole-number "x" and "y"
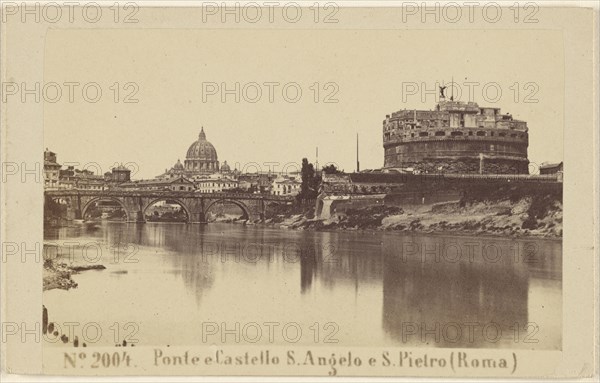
{"x": 162, "y": 194}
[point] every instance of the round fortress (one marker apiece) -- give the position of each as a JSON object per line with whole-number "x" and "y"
{"x": 456, "y": 137}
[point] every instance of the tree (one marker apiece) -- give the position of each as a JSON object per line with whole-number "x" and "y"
{"x": 331, "y": 169}
{"x": 310, "y": 181}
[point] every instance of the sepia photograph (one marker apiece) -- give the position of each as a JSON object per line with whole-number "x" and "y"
{"x": 302, "y": 189}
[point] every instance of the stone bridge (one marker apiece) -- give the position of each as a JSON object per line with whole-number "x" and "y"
{"x": 196, "y": 205}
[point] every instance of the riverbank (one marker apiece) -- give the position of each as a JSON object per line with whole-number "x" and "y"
{"x": 58, "y": 275}
{"x": 531, "y": 216}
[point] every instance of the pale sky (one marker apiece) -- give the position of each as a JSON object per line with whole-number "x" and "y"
{"x": 368, "y": 67}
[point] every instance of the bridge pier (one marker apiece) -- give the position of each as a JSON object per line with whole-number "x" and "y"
{"x": 73, "y": 213}
{"x": 135, "y": 216}
{"x": 263, "y": 210}
{"x": 197, "y": 217}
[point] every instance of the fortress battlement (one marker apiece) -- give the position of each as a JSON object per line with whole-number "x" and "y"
{"x": 456, "y": 137}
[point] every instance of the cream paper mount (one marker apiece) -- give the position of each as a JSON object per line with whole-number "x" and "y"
{"x": 332, "y": 189}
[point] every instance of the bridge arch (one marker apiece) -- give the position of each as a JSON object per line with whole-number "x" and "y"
{"x": 178, "y": 201}
{"x": 239, "y": 204}
{"x": 96, "y": 199}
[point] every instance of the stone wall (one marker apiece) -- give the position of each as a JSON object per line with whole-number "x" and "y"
{"x": 342, "y": 192}
{"x": 501, "y": 156}
{"x": 428, "y": 184}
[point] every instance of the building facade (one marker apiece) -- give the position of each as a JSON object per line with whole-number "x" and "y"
{"x": 456, "y": 137}
{"x": 81, "y": 179}
{"x": 71, "y": 178}
{"x": 119, "y": 174}
{"x": 216, "y": 183}
{"x": 174, "y": 184}
{"x": 551, "y": 168}
{"x": 51, "y": 170}
{"x": 286, "y": 186}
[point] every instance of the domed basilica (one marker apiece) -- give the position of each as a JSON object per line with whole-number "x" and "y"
{"x": 200, "y": 161}
{"x": 201, "y": 157}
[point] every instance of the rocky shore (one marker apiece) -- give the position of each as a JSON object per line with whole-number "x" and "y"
{"x": 52, "y": 332}
{"x": 57, "y": 275}
{"x": 529, "y": 216}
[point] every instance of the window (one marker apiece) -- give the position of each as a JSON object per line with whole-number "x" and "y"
{"x": 481, "y": 133}
{"x": 454, "y": 134}
{"x": 440, "y": 133}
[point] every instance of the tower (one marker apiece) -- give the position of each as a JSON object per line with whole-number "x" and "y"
{"x": 357, "y": 161}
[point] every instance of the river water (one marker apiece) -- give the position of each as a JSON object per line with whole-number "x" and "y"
{"x": 181, "y": 284}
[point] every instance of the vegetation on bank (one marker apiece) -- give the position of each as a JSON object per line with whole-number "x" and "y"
{"x": 311, "y": 179}
{"x": 54, "y": 213}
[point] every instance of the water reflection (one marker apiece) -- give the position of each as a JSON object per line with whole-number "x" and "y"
{"x": 433, "y": 297}
{"x": 379, "y": 288}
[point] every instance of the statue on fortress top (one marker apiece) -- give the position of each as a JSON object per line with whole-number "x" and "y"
{"x": 442, "y": 89}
